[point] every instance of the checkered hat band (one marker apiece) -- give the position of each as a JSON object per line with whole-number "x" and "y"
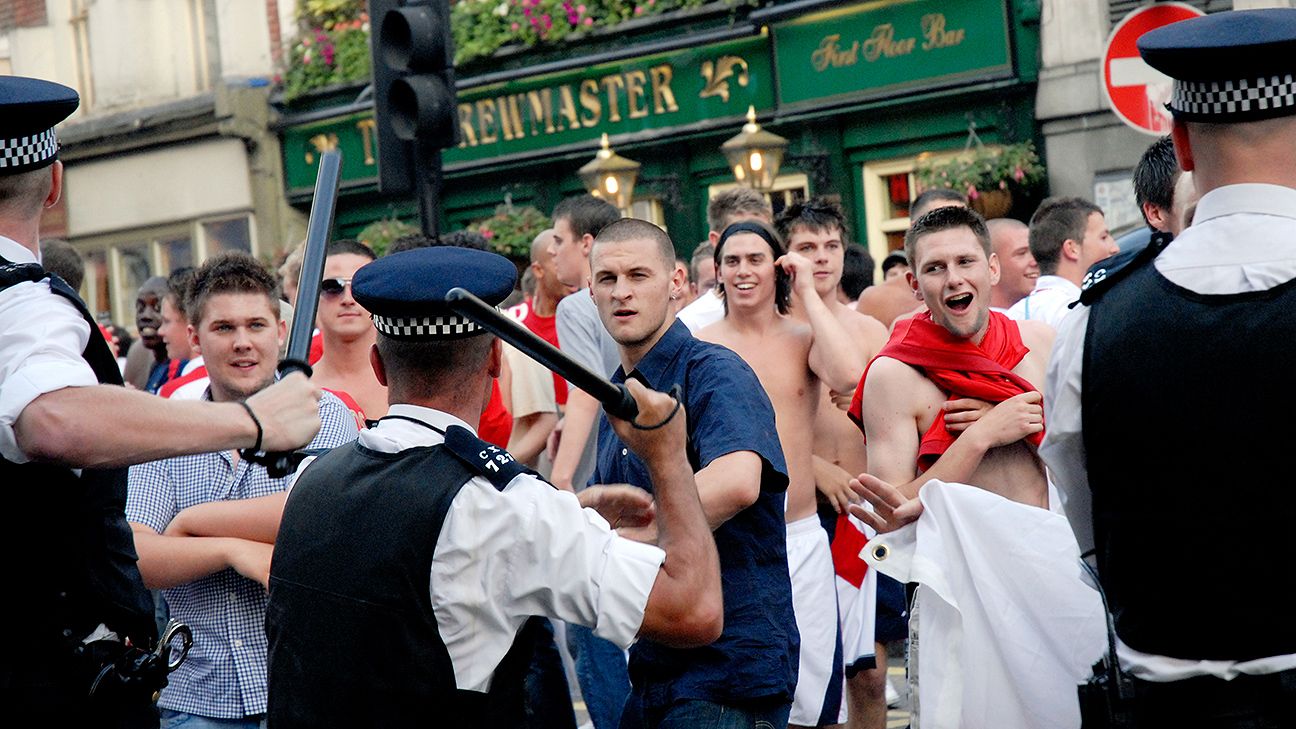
{"x": 1227, "y": 98}
{"x": 27, "y": 151}
{"x": 426, "y": 327}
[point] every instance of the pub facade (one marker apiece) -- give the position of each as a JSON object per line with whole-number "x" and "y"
{"x": 863, "y": 93}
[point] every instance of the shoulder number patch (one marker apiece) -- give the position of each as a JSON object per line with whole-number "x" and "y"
{"x": 494, "y": 463}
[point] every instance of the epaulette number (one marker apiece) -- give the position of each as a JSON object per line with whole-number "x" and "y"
{"x": 493, "y": 457}
{"x": 1093, "y": 278}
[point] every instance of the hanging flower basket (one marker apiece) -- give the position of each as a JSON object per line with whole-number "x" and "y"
{"x": 987, "y": 175}
{"x": 511, "y": 229}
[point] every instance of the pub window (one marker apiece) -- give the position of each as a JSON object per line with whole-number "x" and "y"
{"x": 889, "y": 189}
{"x": 174, "y": 253}
{"x": 233, "y": 234}
{"x": 94, "y": 288}
{"x": 132, "y": 268}
{"x": 788, "y": 189}
{"x": 650, "y": 209}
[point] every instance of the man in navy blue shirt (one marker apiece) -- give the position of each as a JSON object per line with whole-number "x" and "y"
{"x": 746, "y": 677}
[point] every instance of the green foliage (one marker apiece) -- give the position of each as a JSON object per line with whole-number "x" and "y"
{"x": 333, "y": 44}
{"x": 379, "y": 234}
{"x": 511, "y": 229}
{"x": 483, "y": 26}
{"x": 324, "y": 57}
{"x": 983, "y": 169}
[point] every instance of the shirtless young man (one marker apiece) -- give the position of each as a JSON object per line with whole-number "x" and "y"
{"x": 815, "y": 229}
{"x": 791, "y": 359}
{"x": 953, "y": 274}
{"x": 348, "y": 334}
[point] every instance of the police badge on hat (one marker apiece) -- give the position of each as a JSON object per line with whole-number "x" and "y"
{"x": 29, "y": 109}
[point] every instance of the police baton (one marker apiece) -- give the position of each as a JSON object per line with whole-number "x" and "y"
{"x": 616, "y": 399}
{"x": 296, "y": 356}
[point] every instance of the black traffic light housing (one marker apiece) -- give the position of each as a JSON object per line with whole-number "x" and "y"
{"x": 415, "y": 106}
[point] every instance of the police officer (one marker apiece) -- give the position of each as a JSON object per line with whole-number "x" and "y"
{"x": 1171, "y": 398}
{"x": 71, "y": 571}
{"x": 408, "y": 562}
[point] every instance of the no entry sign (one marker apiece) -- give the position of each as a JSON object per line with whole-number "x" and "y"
{"x": 1136, "y": 92}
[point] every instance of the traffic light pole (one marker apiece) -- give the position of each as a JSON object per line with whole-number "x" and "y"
{"x": 428, "y": 187}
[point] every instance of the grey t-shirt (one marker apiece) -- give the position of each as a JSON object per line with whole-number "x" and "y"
{"x": 582, "y": 337}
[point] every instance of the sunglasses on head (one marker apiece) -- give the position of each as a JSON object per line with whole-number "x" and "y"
{"x": 334, "y": 286}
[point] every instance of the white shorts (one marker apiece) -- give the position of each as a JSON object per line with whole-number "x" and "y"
{"x": 818, "y": 700}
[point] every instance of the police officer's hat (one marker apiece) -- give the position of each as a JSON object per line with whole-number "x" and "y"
{"x": 1228, "y": 67}
{"x": 29, "y": 109}
{"x": 405, "y": 292}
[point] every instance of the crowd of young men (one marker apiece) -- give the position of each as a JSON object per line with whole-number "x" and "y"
{"x": 415, "y": 562}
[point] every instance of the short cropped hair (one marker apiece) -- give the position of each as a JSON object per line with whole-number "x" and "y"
{"x": 465, "y": 239}
{"x": 343, "y": 246}
{"x": 1155, "y": 176}
{"x": 946, "y": 218}
{"x": 180, "y": 283}
{"x": 1057, "y": 220}
{"x": 233, "y": 272}
{"x": 734, "y": 203}
{"x": 815, "y": 214}
{"x": 857, "y": 271}
{"x": 23, "y": 195}
{"x": 627, "y": 229}
{"x": 929, "y": 197}
{"x": 782, "y": 284}
{"x": 586, "y": 214}
{"x": 59, "y": 257}
{"x": 893, "y": 259}
{"x": 424, "y": 369}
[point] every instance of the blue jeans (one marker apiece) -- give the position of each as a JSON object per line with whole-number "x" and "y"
{"x": 603, "y": 675}
{"x": 641, "y": 712}
{"x": 180, "y": 720}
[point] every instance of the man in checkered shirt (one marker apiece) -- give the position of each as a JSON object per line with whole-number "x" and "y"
{"x": 217, "y": 585}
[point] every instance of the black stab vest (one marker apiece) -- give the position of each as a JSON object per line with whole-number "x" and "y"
{"x": 353, "y": 640}
{"x": 72, "y": 559}
{"x": 1187, "y": 404}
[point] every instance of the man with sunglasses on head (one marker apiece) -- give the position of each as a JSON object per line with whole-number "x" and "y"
{"x": 348, "y": 334}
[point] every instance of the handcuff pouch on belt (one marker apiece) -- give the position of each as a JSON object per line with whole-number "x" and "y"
{"x": 116, "y": 669}
{"x": 1107, "y": 698}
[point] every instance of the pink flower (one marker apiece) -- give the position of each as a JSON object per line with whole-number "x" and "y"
{"x": 487, "y": 233}
{"x": 514, "y": 27}
{"x": 638, "y": 10}
{"x": 580, "y": 9}
{"x": 306, "y": 42}
{"x": 1003, "y": 184}
{"x": 589, "y": 21}
{"x": 1018, "y": 174}
{"x": 972, "y": 193}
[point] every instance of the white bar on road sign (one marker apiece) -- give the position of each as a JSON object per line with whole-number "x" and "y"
{"x": 1134, "y": 71}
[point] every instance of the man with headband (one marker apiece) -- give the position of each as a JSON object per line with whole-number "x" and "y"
{"x": 408, "y": 563}
{"x": 1199, "y": 334}
{"x": 792, "y": 359}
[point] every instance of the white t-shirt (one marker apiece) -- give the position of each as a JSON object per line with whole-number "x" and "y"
{"x": 1047, "y": 302}
{"x": 704, "y": 311}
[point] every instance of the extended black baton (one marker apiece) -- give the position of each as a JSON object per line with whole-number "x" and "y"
{"x": 616, "y": 399}
{"x": 296, "y": 356}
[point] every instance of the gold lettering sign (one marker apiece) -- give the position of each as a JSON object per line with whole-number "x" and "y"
{"x": 883, "y": 42}
{"x": 322, "y": 143}
{"x": 631, "y": 94}
{"x": 717, "y": 74}
{"x": 366, "y": 128}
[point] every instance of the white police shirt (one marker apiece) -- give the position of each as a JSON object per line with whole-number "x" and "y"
{"x": 527, "y": 550}
{"x": 42, "y": 336}
{"x": 702, "y": 312}
{"x": 1243, "y": 238}
{"x": 1047, "y": 302}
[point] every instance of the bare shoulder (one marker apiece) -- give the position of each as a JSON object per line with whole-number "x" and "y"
{"x": 869, "y": 333}
{"x": 715, "y": 333}
{"x": 891, "y": 378}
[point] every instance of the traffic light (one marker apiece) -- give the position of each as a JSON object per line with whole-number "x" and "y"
{"x": 415, "y": 106}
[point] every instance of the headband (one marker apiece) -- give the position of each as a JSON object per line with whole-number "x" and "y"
{"x": 749, "y": 226}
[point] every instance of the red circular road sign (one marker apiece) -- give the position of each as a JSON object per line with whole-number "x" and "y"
{"x": 1136, "y": 92}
